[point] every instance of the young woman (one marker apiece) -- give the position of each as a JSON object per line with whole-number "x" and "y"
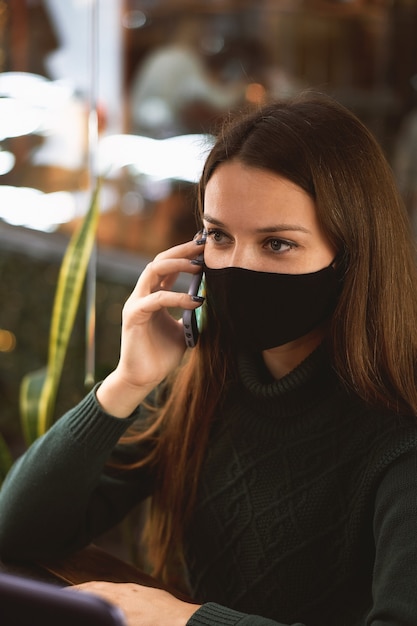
{"x": 280, "y": 453}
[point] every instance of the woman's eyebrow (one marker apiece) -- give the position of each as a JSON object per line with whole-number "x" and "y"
{"x": 276, "y": 228}
{"x": 283, "y": 227}
{"x": 212, "y": 220}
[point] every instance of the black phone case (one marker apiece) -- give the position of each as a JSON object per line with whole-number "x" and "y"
{"x": 189, "y": 319}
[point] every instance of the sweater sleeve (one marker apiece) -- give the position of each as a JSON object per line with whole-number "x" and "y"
{"x": 395, "y": 525}
{"x": 212, "y": 614}
{"x": 57, "y": 497}
{"x": 394, "y": 585}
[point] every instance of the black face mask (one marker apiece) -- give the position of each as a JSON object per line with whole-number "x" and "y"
{"x": 262, "y": 310}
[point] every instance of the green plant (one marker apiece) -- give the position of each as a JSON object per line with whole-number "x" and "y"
{"x": 5, "y": 459}
{"x": 39, "y": 389}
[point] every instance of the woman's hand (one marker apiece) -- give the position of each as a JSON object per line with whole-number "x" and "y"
{"x": 152, "y": 342}
{"x": 142, "y": 606}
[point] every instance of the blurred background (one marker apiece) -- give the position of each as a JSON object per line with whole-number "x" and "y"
{"x": 132, "y": 91}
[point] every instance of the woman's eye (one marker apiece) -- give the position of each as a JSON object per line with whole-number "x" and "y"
{"x": 216, "y": 235}
{"x": 280, "y": 245}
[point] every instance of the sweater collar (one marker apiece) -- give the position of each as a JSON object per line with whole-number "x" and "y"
{"x": 296, "y": 392}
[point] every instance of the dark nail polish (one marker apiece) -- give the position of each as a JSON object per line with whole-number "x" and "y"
{"x": 197, "y": 299}
{"x": 202, "y": 239}
{"x": 197, "y": 262}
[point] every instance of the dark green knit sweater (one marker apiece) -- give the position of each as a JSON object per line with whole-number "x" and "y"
{"x": 306, "y": 509}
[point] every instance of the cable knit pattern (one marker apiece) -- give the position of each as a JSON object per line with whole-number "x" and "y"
{"x": 283, "y": 525}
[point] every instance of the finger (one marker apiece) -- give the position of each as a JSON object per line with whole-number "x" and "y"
{"x": 189, "y": 250}
{"x": 90, "y": 586}
{"x": 168, "y": 282}
{"x": 159, "y": 300}
{"x": 161, "y": 273}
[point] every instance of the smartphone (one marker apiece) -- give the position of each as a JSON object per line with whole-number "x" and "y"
{"x": 192, "y": 320}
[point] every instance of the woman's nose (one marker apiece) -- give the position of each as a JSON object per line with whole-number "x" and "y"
{"x": 237, "y": 255}
{"x": 241, "y": 256}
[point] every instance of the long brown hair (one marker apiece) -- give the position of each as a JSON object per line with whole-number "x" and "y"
{"x": 320, "y": 146}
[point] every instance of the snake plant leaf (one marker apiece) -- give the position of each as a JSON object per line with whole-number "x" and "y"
{"x": 39, "y": 389}
{"x": 5, "y": 459}
{"x": 30, "y": 398}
